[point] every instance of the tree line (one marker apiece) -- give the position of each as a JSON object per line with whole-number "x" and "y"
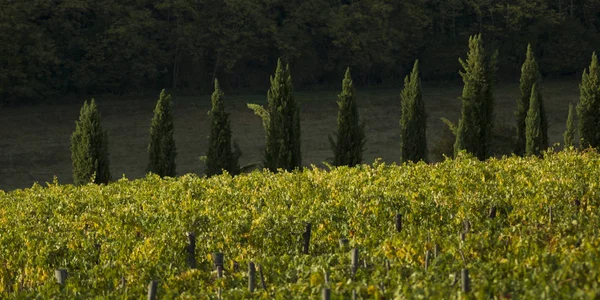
{"x": 54, "y": 48}
{"x": 281, "y": 122}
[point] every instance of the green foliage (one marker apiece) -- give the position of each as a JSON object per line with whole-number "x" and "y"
{"x": 534, "y": 132}
{"x": 413, "y": 123}
{"x": 281, "y": 118}
{"x": 108, "y": 46}
{"x": 220, "y": 156}
{"x": 530, "y": 75}
{"x": 348, "y": 148}
{"x": 569, "y": 134}
{"x": 135, "y": 230}
{"x": 477, "y": 112}
{"x": 161, "y": 148}
{"x": 588, "y": 108}
{"x": 89, "y": 147}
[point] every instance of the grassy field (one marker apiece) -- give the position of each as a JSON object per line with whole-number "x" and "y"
{"x": 35, "y": 141}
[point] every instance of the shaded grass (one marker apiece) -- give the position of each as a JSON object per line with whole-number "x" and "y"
{"x": 35, "y": 142}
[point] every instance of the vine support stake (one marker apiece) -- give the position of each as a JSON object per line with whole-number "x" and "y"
{"x": 398, "y": 221}
{"x": 354, "y": 260}
{"x": 219, "y": 260}
{"x": 306, "y": 238}
{"x": 427, "y": 254}
{"x": 152, "y": 290}
{"x": 326, "y": 294}
{"x": 251, "y": 275}
{"x": 262, "y": 277}
{"x": 191, "y": 249}
{"x": 61, "y": 276}
{"x": 466, "y": 282}
{"x": 492, "y": 213}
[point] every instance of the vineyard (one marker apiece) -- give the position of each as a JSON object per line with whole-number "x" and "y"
{"x": 513, "y": 228}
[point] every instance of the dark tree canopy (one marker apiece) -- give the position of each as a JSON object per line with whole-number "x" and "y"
{"x": 105, "y": 46}
{"x": 161, "y": 148}
{"x": 588, "y": 108}
{"x": 281, "y": 121}
{"x": 413, "y": 123}
{"x": 536, "y": 135}
{"x": 220, "y": 156}
{"x": 477, "y": 110}
{"x": 89, "y": 147}
{"x": 350, "y": 137}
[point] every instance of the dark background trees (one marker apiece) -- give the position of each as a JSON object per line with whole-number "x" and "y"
{"x": 49, "y": 49}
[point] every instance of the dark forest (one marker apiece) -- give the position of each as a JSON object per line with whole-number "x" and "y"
{"x": 50, "y": 49}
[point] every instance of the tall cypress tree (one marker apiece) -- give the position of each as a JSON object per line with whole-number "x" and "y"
{"x": 89, "y": 147}
{"x": 281, "y": 119}
{"x": 530, "y": 75}
{"x": 534, "y": 131}
{"x": 161, "y": 148}
{"x": 569, "y": 134}
{"x": 413, "y": 123}
{"x": 477, "y": 112}
{"x": 220, "y": 155}
{"x": 348, "y": 148}
{"x": 588, "y": 109}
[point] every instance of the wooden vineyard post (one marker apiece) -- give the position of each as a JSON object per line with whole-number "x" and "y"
{"x": 492, "y": 213}
{"x": 398, "y": 221}
{"x": 262, "y": 277}
{"x": 467, "y": 225}
{"x": 152, "y": 290}
{"x": 218, "y": 258}
{"x": 354, "y": 296}
{"x": 427, "y": 254}
{"x": 463, "y": 236}
{"x": 466, "y": 283}
{"x": 354, "y": 260}
{"x": 326, "y": 294}
{"x": 191, "y": 249}
{"x": 251, "y": 276}
{"x": 306, "y": 238}
{"x": 326, "y": 277}
{"x": 219, "y": 275}
{"x": 550, "y": 214}
{"x": 61, "y": 276}
{"x": 435, "y": 250}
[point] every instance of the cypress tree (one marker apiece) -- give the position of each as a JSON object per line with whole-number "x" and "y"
{"x": 413, "y": 124}
{"x": 161, "y": 148}
{"x": 220, "y": 155}
{"x": 588, "y": 109}
{"x": 477, "y": 112}
{"x": 530, "y": 75}
{"x": 534, "y": 141}
{"x": 89, "y": 147}
{"x": 569, "y": 134}
{"x": 348, "y": 148}
{"x": 281, "y": 119}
